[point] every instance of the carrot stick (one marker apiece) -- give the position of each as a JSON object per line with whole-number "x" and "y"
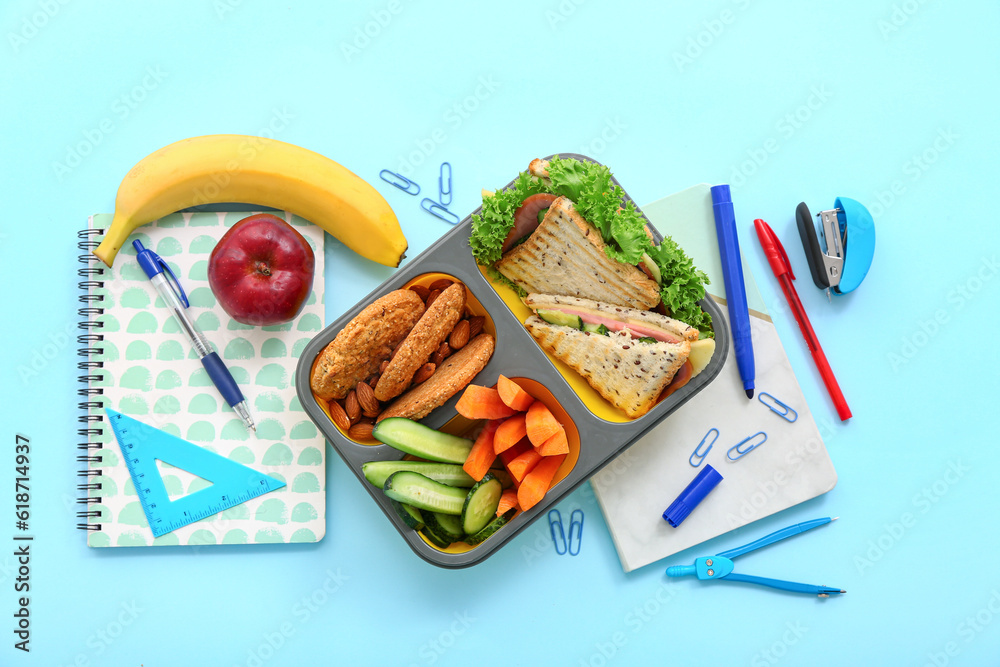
{"x": 509, "y": 433}
{"x": 512, "y": 453}
{"x": 508, "y": 499}
{"x": 557, "y": 444}
{"x": 523, "y": 464}
{"x": 536, "y": 483}
{"x": 513, "y": 395}
{"x": 482, "y": 403}
{"x": 482, "y": 456}
{"x": 540, "y": 423}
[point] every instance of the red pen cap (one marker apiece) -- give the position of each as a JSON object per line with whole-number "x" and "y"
{"x": 773, "y": 250}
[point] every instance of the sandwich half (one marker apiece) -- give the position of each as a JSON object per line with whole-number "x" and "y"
{"x": 566, "y": 255}
{"x": 629, "y": 356}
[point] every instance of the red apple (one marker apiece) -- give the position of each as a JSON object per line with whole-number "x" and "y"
{"x": 261, "y": 270}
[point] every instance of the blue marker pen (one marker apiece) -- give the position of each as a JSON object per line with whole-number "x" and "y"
{"x": 175, "y": 298}
{"x": 736, "y": 294}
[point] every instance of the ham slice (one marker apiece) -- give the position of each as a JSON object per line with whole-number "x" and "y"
{"x": 636, "y": 329}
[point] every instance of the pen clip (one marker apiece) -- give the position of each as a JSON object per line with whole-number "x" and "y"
{"x": 784, "y": 255}
{"x": 172, "y": 281}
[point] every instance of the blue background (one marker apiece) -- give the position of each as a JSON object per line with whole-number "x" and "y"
{"x": 891, "y": 103}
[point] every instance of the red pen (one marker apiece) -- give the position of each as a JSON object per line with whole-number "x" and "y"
{"x": 778, "y": 260}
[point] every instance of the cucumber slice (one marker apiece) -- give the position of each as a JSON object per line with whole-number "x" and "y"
{"x": 410, "y": 515}
{"x": 445, "y": 525}
{"x": 412, "y": 488}
{"x": 481, "y": 504}
{"x": 560, "y": 318}
{"x": 595, "y": 328}
{"x": 451, "y": 474}
{"x": 437, "y": 540}
{"x": 491, "y": 527}
{"x": 414, "y": 438}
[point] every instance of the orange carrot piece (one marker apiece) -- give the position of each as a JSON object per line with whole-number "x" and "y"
{"x": 509, "y": 433}
{"x": 482, "y": 456}
{"x": 541, "y": 424}
{"x": 536, "y": 483}
{"x": 523, "y": 464}
{"x": 555, "y": 445}
{"x": 508, "y": 500}
{"x": 513, "y": 395}
{"x": 482, "y": 403}
{"x": 512, "y": 453}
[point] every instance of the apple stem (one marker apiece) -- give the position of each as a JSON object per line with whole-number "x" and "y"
{"x": 262, "y": 268}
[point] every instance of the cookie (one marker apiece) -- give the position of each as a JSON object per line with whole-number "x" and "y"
{"x": 451, "y": 377}
{"x": 425, "y": 337}
{"x": 367, "y": 340}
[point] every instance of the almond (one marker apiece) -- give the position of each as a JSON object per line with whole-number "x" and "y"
{"x": 373, "y": 380}
{"x": 459, "y": 335}
{"x": 421, "y": 291}
{"x": 366, "y": 398}
{"x": 476, "y": 325}
{"x": 351, "y": 407}
{"x": 424, "y": 372}
{"x": 361, "y": 431}
{"x": 385, "y": 365}
{"x": 441, "y": 284}
{"x": 338, "y": 416}
{"x": 433, "y": 295}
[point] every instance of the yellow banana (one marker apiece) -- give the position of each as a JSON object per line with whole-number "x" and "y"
{"x": 253, "y": 170}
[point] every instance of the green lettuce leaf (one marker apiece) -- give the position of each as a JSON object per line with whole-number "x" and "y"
{"x": 682, "y": 286}
{"x": 491, "y": 225}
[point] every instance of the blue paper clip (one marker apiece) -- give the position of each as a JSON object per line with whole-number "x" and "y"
{"x": 575, "y": 532}
{"x": 442, "y": 190}
{"x": 438, "y": 211}
{"x": 785, "y": 412}
{"x": 700, "y": 455}
{"x": 561, "y": 537}
{"x": 742, "y": 451}
{"x": 400, "y": 181}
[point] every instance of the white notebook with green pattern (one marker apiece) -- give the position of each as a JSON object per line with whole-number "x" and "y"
{"x": 135, "y": 359}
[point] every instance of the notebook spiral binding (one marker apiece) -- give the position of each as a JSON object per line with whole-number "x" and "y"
{"x": 89, "y": 342}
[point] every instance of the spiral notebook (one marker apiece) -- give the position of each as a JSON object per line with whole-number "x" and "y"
{"x": 135, "y": 360}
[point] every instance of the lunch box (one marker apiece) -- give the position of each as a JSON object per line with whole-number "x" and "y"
{"x": 596, "y": 431}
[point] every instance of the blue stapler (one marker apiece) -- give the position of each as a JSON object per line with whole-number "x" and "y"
{"x": 841, "y": 254}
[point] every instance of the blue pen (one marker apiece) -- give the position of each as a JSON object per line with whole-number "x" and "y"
{"x": 736, "y": 293}
{"x": 175, "y": 298}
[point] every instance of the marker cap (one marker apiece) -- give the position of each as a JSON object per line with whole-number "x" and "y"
{"x": 689, "y": 498}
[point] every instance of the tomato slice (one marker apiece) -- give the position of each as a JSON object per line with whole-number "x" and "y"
{"x": 526, "y": 218}
{"x": 680, "y": 379}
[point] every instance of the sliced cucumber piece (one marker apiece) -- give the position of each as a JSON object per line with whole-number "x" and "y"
{"x": 410, "y": 515}
{"x": 654, "y": 269}
{"x": 414, "y": 438}
{"x": 445, "y": 525}
{"x": 647, "y": 339}
{"x": 490, "y": 528}
{"x": 437, "y": 540}
{"x": 451, "y": 474}
{"x": 590, "y": 327}
{"x": 412, "y": 488}
{"x": 560, "y": 318}
{"x": 481, "y": 504}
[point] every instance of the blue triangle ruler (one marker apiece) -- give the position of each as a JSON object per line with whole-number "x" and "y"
{"x": 142, "y": 445}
